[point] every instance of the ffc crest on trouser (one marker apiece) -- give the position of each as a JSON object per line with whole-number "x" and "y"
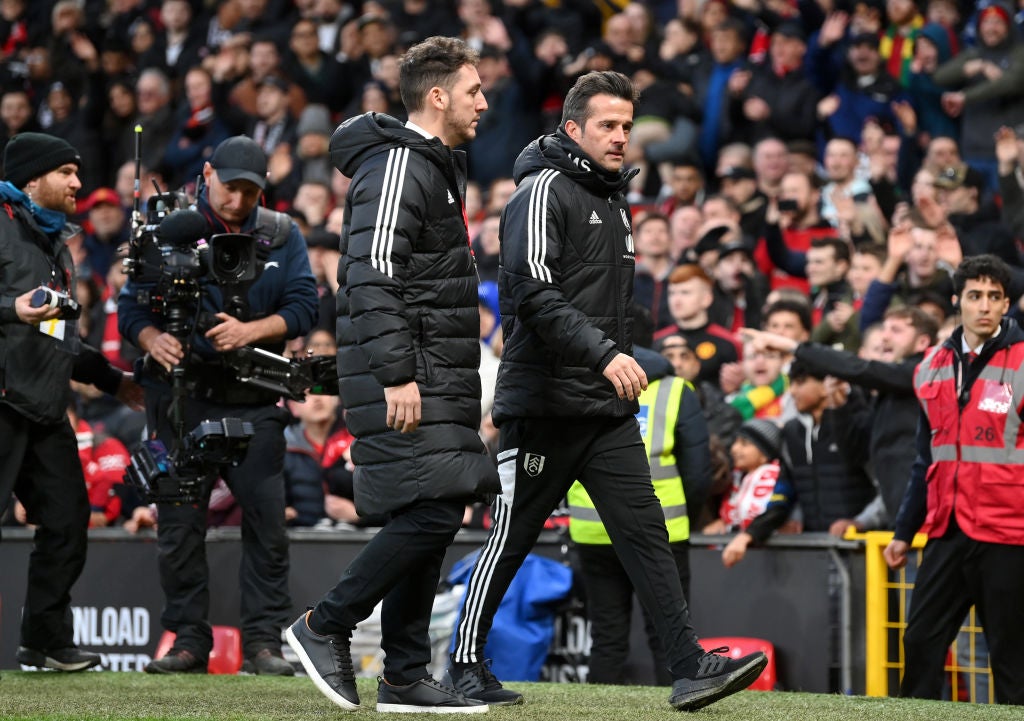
{"x": 533, "y": 464}
{"x": 537, "y": 462}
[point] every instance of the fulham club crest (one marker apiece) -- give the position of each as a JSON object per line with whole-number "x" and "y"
{"x": 533, "y": 464}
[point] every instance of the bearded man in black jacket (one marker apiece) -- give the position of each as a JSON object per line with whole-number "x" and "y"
{"x": 567, "y": 386}
{"x": 408, "y": 358}
{"x": 41, "y": 352}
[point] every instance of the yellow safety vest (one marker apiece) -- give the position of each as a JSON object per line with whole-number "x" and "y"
{"x": 659, "y": 412}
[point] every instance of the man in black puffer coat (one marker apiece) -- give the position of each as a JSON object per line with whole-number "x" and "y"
{"x": 408, "y": 359}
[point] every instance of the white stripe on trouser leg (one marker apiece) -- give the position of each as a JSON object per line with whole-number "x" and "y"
{"x": 483, "y": 572}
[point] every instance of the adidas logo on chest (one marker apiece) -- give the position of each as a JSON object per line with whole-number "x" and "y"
{"x": 594, "y": 218}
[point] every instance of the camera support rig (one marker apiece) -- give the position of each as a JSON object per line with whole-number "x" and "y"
{"x": 185, "y": 473}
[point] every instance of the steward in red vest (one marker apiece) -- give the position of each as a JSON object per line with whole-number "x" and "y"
{"x": 967, "y": 488}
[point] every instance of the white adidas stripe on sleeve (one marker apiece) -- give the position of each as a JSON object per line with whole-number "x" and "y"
{"x": 387, "y": 211}
{"x": 536, "y": 227}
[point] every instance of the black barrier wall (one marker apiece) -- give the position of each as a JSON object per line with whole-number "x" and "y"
{"x": 803, "y": 593}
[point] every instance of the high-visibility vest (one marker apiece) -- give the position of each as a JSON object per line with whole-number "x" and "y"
{"x": 977, "y": 450}
{"x": 659, "y": 412}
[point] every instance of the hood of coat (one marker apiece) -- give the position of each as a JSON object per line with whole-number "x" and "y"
{"x": 364, "y": 136}
{"x": 562, "y": 153}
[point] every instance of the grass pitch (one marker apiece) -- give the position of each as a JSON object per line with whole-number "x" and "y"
{"x": 136, "y": 697}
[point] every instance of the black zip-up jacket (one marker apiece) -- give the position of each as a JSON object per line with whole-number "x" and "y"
{"x": 407, "y": 311}
{"x": 887, "y": 427}
{"x": 34, "y": 367}
{"x": 566, "y": 283}
{"x": 825, "y": 484}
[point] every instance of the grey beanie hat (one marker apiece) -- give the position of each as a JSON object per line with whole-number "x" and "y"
{"x": 764, "y": 434}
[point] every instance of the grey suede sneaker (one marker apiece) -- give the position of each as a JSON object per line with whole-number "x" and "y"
{"x": 716, "y": 677}
{"x": 477, "y": 681}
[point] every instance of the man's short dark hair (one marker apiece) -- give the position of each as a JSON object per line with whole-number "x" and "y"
{"x": 975, "y": 267}
{"x": 784, "y": 305}
{"x": 840, "y": 247}
{"x": 875, "y": 251}
{"x": 434, "y": 62}
{"x": 690, "y": 162}
{"x": 730, "y": 203}
{"x": 845, "y": 139}
{"x": 800, "y": 370}
{"x": 923, "y": 323}
{"x": 918, "y": 298}
{"x": 814, "y": 182}
{"x": 732, "y": 25}
{"x": 608, "y": 82}
{"x": 647, "y": 218}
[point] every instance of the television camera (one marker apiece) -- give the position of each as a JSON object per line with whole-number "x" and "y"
{"x": 176, "y": 262}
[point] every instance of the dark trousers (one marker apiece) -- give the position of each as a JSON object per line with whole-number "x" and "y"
{"x": 956, "y": 572}
{"x": 610, "y": 610}
{"x": 538, "y": 459}
{"x": 258, "y": 486}
{"x": 401, "y": 565}
{"x": 39, "y": 463}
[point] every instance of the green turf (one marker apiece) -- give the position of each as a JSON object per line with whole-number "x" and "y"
{"x": 122, "y": 696}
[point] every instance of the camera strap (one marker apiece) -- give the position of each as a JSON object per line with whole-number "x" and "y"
{"x": 271, "y": 227}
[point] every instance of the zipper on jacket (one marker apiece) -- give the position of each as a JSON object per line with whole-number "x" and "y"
{"x": 620, "y": 311}
{"x": 421, "y": 349}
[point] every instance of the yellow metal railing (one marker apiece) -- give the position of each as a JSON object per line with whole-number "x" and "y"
{"x": 885, "y": 619}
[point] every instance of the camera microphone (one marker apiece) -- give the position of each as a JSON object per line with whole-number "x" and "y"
{"x": 183, "y": 228}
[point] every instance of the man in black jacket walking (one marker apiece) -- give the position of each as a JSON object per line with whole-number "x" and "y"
{"x": 566, "y": 393}
{"x": 41, "y": 353}
{"x": 408, "y": 359}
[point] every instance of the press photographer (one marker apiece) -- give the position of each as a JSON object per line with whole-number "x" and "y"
{"x": 40, "y": 354}
{"x": 279, "y": 304}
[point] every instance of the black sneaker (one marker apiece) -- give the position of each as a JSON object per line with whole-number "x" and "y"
{"x": 424, "y": 696}
{"x": 177, "y": 661}
{"x": 328, "y": 662}
{"x": 71, "y": 658}
{"x": 717, "y": 677}
{"x": 476, "y": 681}
{"x": 268, "y": 663}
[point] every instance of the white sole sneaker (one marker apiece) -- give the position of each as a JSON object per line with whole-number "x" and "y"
{"x": 314, "y": 676}
{"x": 402, "y": 708}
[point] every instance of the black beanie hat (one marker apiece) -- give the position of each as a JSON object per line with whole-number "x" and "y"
{"x": 29, "y": 155}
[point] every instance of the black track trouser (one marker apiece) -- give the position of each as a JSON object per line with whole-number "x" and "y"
{"x": 956, "y": 572}
{"x": 258, "y": 486}
{"x": 538, "y": 460}
{"x": 610, "y": 612}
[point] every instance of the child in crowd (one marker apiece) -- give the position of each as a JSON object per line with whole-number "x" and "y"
{"x": 755, "y": 455}
{"x": 314, "y": 444}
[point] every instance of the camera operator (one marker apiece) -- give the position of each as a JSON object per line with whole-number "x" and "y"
{"x": 41, "y": 354}
{"x": 283, "y": 305}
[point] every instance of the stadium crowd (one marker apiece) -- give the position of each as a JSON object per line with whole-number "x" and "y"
{"x": 811, "y": 175}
